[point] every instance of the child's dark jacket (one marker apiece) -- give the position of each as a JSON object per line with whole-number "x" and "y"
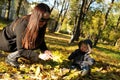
{"x": 81, "y": 58}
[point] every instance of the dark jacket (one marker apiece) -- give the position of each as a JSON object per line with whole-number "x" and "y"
{"x": 81, "y": 58}
{"x": 11, "y": 38}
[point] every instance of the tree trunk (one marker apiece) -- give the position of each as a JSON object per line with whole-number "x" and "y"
{"x": 56, "y": 24}
{"x": 18, "y": 8}
{"x": 66, "y": 9}
{"x": 97, "y": 38}
{"x": 116, "y": 30}
{"x": 53, "y": 6}
{"x": 9, "y": 3}
{"x": 84, "y": 8}
{"x": 118, "y": 22}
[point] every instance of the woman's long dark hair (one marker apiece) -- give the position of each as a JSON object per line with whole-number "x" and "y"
{"x": 33, "y": 26}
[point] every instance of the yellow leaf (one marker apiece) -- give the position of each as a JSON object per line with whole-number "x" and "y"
{"x": 37, "y": 71}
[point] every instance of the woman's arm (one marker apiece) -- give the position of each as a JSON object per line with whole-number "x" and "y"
{"x": 29, "y": 54}
{"x": 41, "y": 35}
{"x": 47, "y": 53}
{"x": 43, "y": 46}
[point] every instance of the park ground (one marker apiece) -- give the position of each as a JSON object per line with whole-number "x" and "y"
{"x": 107, "y": 66}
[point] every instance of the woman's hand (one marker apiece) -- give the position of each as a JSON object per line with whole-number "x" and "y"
{"x": 49, "y": 54}
{"x": 46, "y": 56}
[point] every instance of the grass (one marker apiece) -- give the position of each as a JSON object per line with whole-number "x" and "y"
{"x": 107, "y": 66}
{"x": 3, "y": 23}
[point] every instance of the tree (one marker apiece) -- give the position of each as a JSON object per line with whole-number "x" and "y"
{"x": 83, "y": 11}
{"x": 66, "y": 6}
{"x": 104, "y": 24}
{"x": 53, "y": 5}
{"x": 18, "y": 8}
{"x": 9, "y": 4}
{"x": 59, "y": 15}
{"x": 1, "y": 4}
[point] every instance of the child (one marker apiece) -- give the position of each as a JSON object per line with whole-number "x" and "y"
{"x": 80, "y": 57}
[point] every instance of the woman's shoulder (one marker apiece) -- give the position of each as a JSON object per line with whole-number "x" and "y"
{"x": 23, "y": 20}
{"x": 21, "y": 24}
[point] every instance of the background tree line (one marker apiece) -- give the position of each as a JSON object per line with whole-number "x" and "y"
{"x": 98, "y": 20}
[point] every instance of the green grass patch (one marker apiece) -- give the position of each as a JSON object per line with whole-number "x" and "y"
{"x": 3, "y": 23}
{"x": 109, "y": 51}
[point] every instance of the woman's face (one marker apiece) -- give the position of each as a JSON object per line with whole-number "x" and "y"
{"x": 84, "y": 48}
{"x": 44, "y": 19}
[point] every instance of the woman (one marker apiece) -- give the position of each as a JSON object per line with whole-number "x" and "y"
{"x": 26, "y": 34}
